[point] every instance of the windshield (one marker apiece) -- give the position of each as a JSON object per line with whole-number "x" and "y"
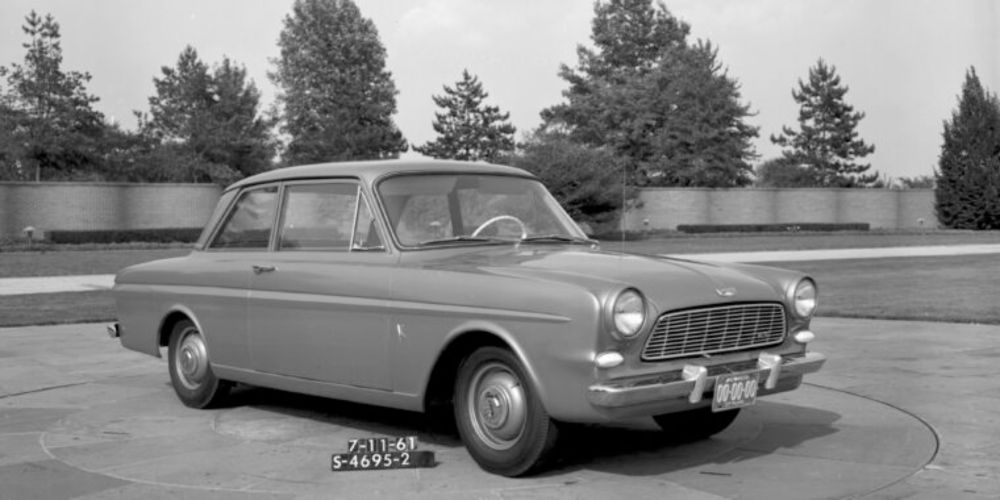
{"x": 428, "y": 209}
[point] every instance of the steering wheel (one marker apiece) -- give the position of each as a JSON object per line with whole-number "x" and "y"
{"x": 524, "y": 230}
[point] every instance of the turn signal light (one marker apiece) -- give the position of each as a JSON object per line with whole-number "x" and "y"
{"x": 609, "y": 359}
{"x": 804, "y": 337}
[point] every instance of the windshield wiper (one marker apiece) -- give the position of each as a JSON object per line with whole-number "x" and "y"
{"x": 561, "y": 238}
{"x": 463, "y": 239}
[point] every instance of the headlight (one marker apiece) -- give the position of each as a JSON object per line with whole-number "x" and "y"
{"x": 804, "y": 298}
{"x": 628, "y": 313}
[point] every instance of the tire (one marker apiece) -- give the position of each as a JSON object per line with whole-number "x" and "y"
{"x": 499, "y": 416}
{"x": 190, "y": 369}
{"x": 695, "y": 425}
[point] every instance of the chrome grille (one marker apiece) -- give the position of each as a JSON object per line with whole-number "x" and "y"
{"x": 716, "y": 329}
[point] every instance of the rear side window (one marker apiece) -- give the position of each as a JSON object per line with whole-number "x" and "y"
{"x": 249, "y": 223}
{"x": 318, "y": 216}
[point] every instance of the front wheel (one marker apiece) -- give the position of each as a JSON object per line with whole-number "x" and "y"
{"x": 190, "y": 370}
{"x": 695, "y": 425}
{"x": 501, "y": 421}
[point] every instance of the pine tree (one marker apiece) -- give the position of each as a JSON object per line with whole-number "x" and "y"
{"x": 586, "y": 180}
{"x": 782, "y": 173}
{"x": 48, "y": 110}
{"x": 666, "y": 105}
{"x": 338, "y": 99}
{"x": 827, "y": 141}
{"x": 468, "y": 129}
{"x": 211, "y": 116}
{"x": 967, "y": 195}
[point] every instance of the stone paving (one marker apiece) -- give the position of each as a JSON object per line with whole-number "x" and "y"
{"x": 901, "y": 410}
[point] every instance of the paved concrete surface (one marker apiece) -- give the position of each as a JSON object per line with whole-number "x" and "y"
{"x": 846, "y": 253}
{"x": 55, "y": 284}
{"x": 902, "y": 410}
{"x": 83, "y": 283}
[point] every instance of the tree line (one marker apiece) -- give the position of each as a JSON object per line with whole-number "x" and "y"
{"x": 644, "y": 106}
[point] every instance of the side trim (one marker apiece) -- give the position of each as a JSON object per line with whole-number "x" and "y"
{"x": 410, "y": 307}
{"x": 411, "y": 402}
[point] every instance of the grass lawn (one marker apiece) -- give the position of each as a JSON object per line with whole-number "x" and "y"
{"x": 52, "y": 308}
{"x": 960, "y": 288}
{"x": 63, "y": 263}
{"x": 735, "y": 242}
{"x": 69, "y": 261}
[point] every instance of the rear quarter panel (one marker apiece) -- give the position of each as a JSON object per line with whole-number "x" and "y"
{"x": 210, "y": 288}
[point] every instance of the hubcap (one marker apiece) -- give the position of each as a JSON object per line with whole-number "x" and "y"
{"x": 191, "y": 361}
{"x": 497, "y": 406}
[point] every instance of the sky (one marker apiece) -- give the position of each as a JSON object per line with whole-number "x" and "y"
{"x": 904, "y": 60}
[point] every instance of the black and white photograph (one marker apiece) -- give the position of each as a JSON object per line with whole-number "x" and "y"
{"x": 471, "y": 249}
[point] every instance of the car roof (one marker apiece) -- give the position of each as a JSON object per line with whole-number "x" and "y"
{"x": 372, "y": 170}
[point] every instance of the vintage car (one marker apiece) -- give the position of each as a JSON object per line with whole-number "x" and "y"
{"x": 425, "y": 284}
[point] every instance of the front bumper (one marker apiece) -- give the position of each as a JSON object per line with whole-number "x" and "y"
{"x": 693, "y": 381}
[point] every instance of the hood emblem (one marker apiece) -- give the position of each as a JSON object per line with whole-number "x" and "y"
{"x": 726, "y": 292}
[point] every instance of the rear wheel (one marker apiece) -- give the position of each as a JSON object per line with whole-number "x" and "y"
{"x": 695, "y": 425}
{"x": 501, "y": 421}
{"x": 190, "y": 369}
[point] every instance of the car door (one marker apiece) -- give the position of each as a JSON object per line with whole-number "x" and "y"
{"x": 317, "y": 304}
{"x": 219, "y": 276}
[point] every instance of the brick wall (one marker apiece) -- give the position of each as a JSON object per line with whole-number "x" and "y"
{"x": 666, "y": 208}
{"x": 81, "y": 206}
{"x": 69, "y": 205}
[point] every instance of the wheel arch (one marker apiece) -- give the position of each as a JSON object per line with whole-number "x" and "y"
{"x": 438, "y": 392}
{"x": 176, "y": 314}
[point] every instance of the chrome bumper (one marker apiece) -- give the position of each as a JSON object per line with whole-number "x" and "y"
{"x": 694, "y": 382}
{"x": 114, "y": 331}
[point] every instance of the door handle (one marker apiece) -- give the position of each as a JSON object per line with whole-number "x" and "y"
{"x": 263, "y": 269}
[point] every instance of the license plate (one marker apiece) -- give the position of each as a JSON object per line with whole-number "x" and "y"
{"x": 381, "y": 461}
{"x": 735, "y": 391}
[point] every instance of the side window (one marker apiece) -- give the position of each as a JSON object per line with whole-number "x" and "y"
{"x": 249, "y": 223}
{"x": 318, "y": 216}
{"x": 365, "y": 235}
{"x": 220, "y": 208}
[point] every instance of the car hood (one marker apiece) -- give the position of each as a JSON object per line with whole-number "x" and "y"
{"x": 666, "y": 282}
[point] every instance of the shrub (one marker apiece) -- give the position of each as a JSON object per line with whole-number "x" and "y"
{"x": 784, "y": 227}
{"x": 164, "y": 235}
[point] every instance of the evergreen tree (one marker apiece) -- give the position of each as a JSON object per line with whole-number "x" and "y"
{"x": 468, "y": 129}
{"x": 967, "y": 195}
{"x": 781, "y": 173}
{"x": 337, "y": 96}
{"x": 586, "y": 180}
{"x": 827, "y": 141}
{"x": 211, "y": 116}
{"x": 11, "y": 146}
{"x": 51, "y": 130}
{"x": 665, "y": 104}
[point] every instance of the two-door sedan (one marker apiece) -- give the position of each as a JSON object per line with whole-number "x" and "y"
{"x": 422, "y": 284}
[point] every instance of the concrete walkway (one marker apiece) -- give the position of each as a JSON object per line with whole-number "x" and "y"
{"x": 901, "y": 410}
{"x": 56, "y": 284}
{"x": 84, "y": 283}
{"x": 845, "y": 253}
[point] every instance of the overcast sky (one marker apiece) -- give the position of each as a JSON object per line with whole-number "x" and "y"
{"x": 904, "y": 60}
